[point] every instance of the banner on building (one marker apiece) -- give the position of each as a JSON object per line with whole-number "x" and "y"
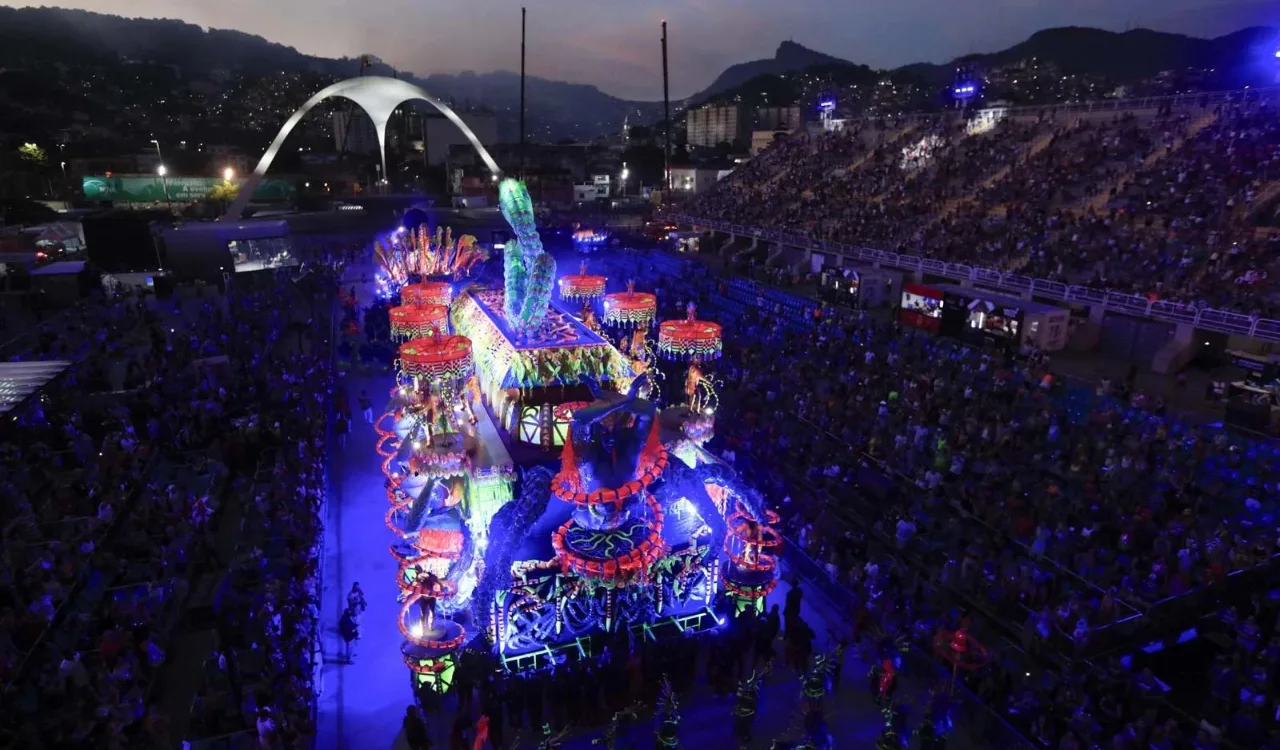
{"x": 151, "y": 188}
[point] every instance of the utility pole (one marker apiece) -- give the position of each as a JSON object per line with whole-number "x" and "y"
{"x": 666, "y": 117}
{"x": 523, "y": 12}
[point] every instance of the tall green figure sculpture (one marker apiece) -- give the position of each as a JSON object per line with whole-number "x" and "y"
{"x": 529, "y": 270}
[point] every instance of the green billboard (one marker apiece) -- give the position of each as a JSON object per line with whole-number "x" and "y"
{"x": 151, "y": 188}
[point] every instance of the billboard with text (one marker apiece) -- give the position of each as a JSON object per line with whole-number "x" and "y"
{"x": 151, "y": 188}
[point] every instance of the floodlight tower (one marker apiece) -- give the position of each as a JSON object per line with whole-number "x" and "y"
{"x": 666, "y": 117}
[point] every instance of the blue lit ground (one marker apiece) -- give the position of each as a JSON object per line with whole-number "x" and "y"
{"x": 363, "y": 703}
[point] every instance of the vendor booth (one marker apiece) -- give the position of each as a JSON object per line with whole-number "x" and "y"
{"x": 981, "y": 316}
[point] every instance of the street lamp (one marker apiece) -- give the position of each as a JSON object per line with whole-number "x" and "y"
{"x": 623, "y": 177}
{"x": 159, "y": 156}
{"x": 164, "y": 180}
{"x": 228, "y": 173}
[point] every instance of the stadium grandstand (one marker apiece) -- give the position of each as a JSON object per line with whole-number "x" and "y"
{"x": 1158, "y": 208}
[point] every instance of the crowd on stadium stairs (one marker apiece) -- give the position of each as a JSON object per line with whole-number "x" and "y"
{"x": 1158, "y": 204}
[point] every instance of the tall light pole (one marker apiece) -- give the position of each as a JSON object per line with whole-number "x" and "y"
{"x": 164, "y": 180}
{"x": 159, "y": 156}
{"x": 666, "y": 117}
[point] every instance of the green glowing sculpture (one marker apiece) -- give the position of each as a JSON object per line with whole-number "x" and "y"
{"x": 529, "y": 271}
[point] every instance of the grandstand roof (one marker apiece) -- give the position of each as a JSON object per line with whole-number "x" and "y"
{"x": 18, "y": 380}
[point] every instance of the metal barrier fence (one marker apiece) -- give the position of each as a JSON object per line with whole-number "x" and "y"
{"x": 1219, "y": 321}
{"x": 317, "y": 650}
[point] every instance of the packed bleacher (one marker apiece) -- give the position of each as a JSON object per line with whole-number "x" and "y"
{"x": 934, "y": 486}
{"x": 1155, "y": 203}
{"x": 116, "y": 479}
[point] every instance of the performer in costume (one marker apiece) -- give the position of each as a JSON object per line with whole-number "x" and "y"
{"x": 746, "y": 703}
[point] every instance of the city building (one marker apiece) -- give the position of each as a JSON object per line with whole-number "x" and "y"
{"x": 712, "y": 125}
{"x": 778, "y": 118}
{"x": 353, "y": 132}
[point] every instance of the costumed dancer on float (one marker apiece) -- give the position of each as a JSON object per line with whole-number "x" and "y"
{"x": 745, "y": 705}
{"x": 427, "y": 604}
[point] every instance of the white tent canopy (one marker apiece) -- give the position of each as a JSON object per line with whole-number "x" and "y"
{"x": 19, "y": 380}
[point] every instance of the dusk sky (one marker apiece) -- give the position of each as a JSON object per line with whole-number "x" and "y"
{"x": 613, "y": 44}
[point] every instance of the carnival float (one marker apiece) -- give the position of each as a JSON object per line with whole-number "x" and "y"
{"x": 613, "y": 516}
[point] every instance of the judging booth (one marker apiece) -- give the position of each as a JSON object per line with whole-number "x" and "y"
{"x": 981, "y": 316}
{"x": 861, "y": 286}
{"x": 921, "y": 307}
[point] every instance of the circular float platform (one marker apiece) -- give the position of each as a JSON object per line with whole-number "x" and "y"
{"x": 748, "y": 583}
{"x": 620, "y": 554}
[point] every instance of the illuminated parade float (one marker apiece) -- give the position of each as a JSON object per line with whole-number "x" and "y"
{"x": 616, "y": 518}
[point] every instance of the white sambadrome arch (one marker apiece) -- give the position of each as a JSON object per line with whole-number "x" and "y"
{"x": 378, "y": 96}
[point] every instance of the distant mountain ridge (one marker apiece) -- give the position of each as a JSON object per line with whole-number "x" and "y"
{"x": 1137, "y": 53}
{"x": 1127, "y": 55}
{"x": 790, "y": 57}
{"x": 39, "y": 36}
{"x": 47, "y": 37}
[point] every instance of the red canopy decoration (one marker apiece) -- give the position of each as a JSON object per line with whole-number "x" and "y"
{"x": 415, "y": 322}
{"x": 582, "y": 285}
{"x": 691, "y": 339}
{"x": 630, "y": 308}
{"x": 437, "y": 357}
{"x": 426, "y": 293}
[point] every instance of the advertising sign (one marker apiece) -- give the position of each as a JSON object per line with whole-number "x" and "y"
{"x": 151, "y": 188}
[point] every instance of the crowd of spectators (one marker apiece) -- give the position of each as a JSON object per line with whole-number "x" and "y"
{"x": 1050, "y": 511}
{"x": 269, "y": 604}
{"x": 114, "y": 479}
{"x": 1155, "y": 204}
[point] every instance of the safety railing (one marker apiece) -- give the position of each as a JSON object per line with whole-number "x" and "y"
{"x": 1219, "y": 321}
